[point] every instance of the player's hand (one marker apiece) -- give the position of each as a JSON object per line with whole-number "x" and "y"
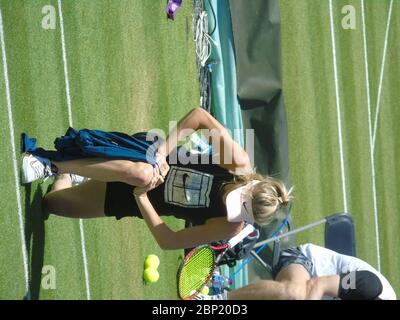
{"x": 163, "y": 166}
{"x": 155, "y": 181}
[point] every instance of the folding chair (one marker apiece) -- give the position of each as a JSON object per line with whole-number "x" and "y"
{"x": 339, "y": 237}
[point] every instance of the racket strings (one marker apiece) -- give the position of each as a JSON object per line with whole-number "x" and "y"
{"x": 196, "y": 271}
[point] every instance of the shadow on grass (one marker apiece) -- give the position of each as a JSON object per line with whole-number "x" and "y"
{"x": 35, "y": 239}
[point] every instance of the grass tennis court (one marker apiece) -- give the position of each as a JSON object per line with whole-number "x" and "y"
{"x": 129, "y": 69}
{"x": 314, "y": 147}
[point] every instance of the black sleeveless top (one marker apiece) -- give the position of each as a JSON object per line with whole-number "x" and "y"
{"x": 191, "y": 191}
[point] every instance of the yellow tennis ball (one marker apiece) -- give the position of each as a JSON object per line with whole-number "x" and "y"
{"x": 205, "y": 290}
{"x": 151, "y": 261}
{"x": 151, "y": 275}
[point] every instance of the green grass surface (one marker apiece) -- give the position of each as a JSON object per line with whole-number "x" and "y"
{"x": 313, "y": 131}
{"x": 129, "y": 70}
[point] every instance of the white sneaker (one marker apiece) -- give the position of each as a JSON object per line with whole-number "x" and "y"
{"x": 35, "y": 168}
{"x": 77, "y": 180}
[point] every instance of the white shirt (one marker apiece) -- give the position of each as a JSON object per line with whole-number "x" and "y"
{"x": 327, "y": 262}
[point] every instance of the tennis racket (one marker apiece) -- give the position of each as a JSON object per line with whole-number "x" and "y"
{"x": 199, "y": 264}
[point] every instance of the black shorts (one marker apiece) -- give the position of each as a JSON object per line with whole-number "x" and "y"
{"x": 120, "y": 201}
{"x": 292, "y": 256}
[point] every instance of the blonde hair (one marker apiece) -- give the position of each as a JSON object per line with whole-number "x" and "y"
{"x": 268, "y": 196}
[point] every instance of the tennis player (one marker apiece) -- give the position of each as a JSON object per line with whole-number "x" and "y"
{"x": 311, "y": 272}
{"x": 216, "y": 198}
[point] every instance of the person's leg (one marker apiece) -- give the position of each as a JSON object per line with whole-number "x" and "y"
{"x": 295, "y": 278}
{"x": 261, "y": 290}
{"x": 289, "y": 284}
{"x": 63, "y": 181}
{"x": 323, "y": 286}
{"x": 83, "y": 201}
{"x": 133, "y": 173}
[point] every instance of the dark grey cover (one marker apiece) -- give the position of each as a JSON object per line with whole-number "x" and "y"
{"x": 257, "y": 38}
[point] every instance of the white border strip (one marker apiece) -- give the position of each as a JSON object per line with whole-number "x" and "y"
{"x": 378, "y": 102}
{"x": 372, "y": 158}
{"x": 64, "y": 54}
{"x": 14, "y": 160}
{"x": 338, "y": 107}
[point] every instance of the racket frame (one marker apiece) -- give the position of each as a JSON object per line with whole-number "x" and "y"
{"x": 216, "y": 259}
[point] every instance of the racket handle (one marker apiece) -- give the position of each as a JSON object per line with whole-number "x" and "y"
{"x": 240, "y": 236}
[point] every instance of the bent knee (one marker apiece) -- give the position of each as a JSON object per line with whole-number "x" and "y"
{"x": 138, "y": 173}
{"x": 296, "y": 291}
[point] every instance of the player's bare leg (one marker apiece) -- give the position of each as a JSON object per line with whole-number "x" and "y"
{"x": 82, "y": 201}
{"x": 290, "y": 284}
{"x": 133, "y": 173}
{"x": 63, "y": 181}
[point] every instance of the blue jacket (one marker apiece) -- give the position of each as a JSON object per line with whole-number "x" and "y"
{"x": 95, "y": 143}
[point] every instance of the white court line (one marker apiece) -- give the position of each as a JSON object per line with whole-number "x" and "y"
{"x": 371, "y": 148}
{"x": 338, "y": 107}
{"x": 14, "y": 160}
{"x": 64, "y": 54}
{"x": 378, "y": 102}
